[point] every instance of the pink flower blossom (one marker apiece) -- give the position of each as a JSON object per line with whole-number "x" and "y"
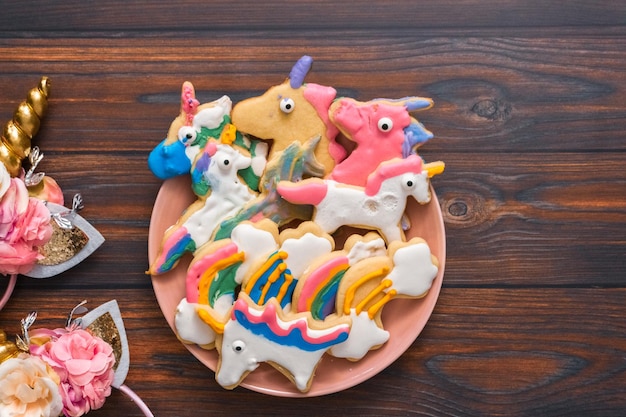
{"x": 17, "y": 258}
{"x": 24, "y": 226}
{"x": 84, "y": 363}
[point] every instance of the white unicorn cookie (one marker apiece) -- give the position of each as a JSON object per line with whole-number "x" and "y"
{"x": 292, "y": 343}
{"x": 378, "y": 206}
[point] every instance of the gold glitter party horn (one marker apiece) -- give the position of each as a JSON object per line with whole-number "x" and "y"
{"x": 16, "y": 138}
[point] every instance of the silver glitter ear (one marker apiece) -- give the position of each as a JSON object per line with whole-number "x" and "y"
{"x": 73, "y": 240}
{"x": 106, "y": 322}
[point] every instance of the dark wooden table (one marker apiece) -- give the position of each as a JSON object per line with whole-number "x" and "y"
{"x": 529, "y": 116}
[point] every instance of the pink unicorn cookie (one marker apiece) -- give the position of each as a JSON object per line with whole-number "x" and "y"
{"x": 380, "y": 129}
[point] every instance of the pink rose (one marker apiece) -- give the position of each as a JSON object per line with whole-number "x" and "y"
{"x": 84, "y": 363}
{"x": 24, "y": 226}
{"x": 34, "y": 226}
{"x": 17, "y": 258}
{"x": 12, "y": 205}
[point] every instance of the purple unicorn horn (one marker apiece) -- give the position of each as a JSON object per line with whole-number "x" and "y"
{"x": 299, "y": 71}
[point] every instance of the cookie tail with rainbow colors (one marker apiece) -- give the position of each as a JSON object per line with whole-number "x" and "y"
{"x": 272, "y": 280}
{"x": 173, "y": 248}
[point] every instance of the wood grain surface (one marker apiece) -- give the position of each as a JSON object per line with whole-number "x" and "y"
{"x": 529, "y": 116}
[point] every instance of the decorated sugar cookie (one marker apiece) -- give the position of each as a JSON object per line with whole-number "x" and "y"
{"x": 219, "y": 166}
{"x": 278, "y": 274}
{"x": 190, "y": 132}
{"x": 294, "y": 163}
{"x": 407, "y": 271}
{"x": 293, "y": 111}
{"x": 215, "y": 274}
{"x": 316, "y": 290}
{"x": 382, "y": 130}
{"x": 378, "y": 206}
{"x": 292, "y": 343}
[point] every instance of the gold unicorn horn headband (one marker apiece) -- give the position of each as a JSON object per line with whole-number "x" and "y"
{"x": 16, "y": 137}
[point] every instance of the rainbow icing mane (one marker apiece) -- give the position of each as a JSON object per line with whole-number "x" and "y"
{"x": 272, "y": 280}
{"x": 296, "y": 332}
{"x": 220, "y": 266}
{"x": 319, "y": 291}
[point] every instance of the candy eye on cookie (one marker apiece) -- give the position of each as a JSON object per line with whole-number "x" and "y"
{"x": 187, "y": 135}
{"x": 287, "y": 105}
{"x": 239, "y": 346}
{"x": 224, "y": 164}
{"x": 408, "y": 182}
{"x": 385, "y": 124}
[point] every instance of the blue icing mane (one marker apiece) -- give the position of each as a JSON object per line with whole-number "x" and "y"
{"x": 293, "y": 338}
{"x": 414, "y": 134}
{"x": 257, "y": 291}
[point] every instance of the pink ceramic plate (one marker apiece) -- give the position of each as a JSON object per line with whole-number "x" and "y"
{"x": 403, "y": 318}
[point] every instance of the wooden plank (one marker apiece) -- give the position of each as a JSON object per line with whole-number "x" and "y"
{"x": 522, "y": 219}
{"x": 513, "y": 95}
{"x": 483, "y": 352}
{"x": 296, "y": 15}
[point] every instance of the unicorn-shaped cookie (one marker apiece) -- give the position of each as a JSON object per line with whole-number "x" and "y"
{"x": 214, "y": 275}
{"x": 292, "y": 111}
{"x": 379, "y": 205}
{"x": 218, "y": 165}
{"x": 316, "y": 290}
{"x": 190, "y": 132}
{"x": 407, "y": 271}
{"x": 293, "y": 344}
{"x": 257, "y": 259}
{"x": 381, "y": 130}
{"x": 293, "y": 163}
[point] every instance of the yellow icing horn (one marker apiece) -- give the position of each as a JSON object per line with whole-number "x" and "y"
{"x": 434, "y": 168}
{"x": 17, "y": 133}
{"x": 8, "y": 349}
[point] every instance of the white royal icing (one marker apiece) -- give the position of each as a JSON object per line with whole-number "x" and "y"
{"x": 228, "y": 194}
{"x": 301, "y": 251}
{"x": 383, "y": 211}
{"x": 190, "y": 327}
{"x": 254, "y": 349}
{"x": 254, "y": 243}
{"x": 212, "y": 117}
{"x": 414, "y": 271}
{"x": 364, "y": 335}
{"x": 362, "y": 250}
